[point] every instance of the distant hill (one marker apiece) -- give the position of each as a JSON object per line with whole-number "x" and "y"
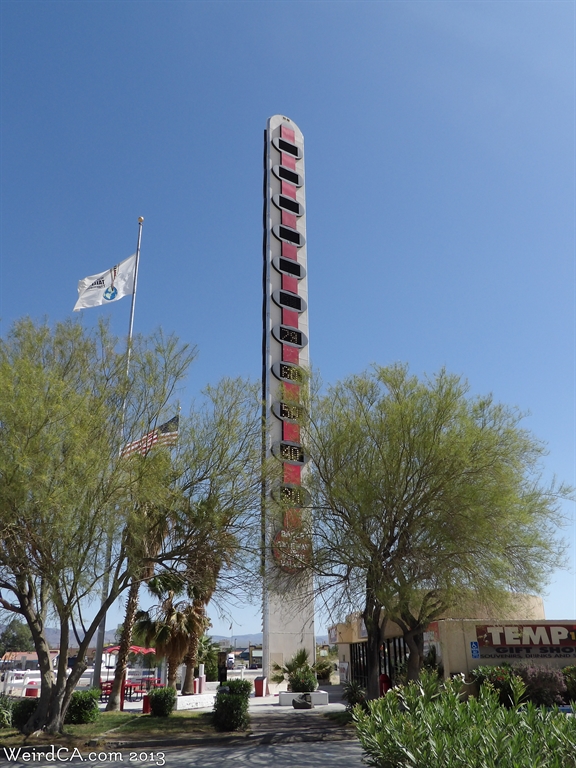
{"x": 53, "y": 637}
{"x": 243, "y": 641}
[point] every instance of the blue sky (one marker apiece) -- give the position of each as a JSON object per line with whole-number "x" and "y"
{"x": 439, "y": 173}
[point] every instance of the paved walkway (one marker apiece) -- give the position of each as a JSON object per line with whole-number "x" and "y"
{"x": 269, "y": 724}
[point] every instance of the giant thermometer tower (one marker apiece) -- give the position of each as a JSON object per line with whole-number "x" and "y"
{"x": 288, "y": 607}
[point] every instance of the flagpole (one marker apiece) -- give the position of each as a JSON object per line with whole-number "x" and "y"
{"x": 133, "y": 304}
{"x": 106, "y": 582}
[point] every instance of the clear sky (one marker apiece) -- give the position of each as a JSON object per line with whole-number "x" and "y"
{"x": 440, "y": 177}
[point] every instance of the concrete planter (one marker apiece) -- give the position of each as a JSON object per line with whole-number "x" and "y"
{"x": 197, "y": 701}
{"x": 318, "y": 698}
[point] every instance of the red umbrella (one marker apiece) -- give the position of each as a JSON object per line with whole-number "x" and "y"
{"x": 132, "y": 649}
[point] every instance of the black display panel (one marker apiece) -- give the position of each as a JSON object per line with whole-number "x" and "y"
{"x": 289, "y": 234}
{"x": 289, "y": 267}
{"x": 286, "y": 174}
{"x": 289, "y": 300}
{"x": 288, "y": 204}
{"x": 284, "y": 146}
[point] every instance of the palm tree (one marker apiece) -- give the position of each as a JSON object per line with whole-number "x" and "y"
{"x": 197, "y": 610}
{"x": 168, "y": 626}
{"x": 208, "y": 654}
{"x": 148, "y": 549}
{"x": 299, "y": 670}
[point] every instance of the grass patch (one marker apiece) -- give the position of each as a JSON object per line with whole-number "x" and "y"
{"x": 119, "y": 725}
{"x": 340, "y": 718}
{"x": 184, "y": 723}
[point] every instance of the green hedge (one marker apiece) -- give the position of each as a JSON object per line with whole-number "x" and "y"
{"x": 544, "y": 685}
{"x": 423, "y": 726}
{"x": 5, "y": 711}
{"x": 240, "y": 688}
{"x": 83, "y": 707}
{"x": 162, "y": 702}
{"x": 231, "y": 706}
{"x": 22, "y": 711}
{"x": 230, "y": 712}
{"x": 303, "y": 681}
{"x": 570, "y": 682}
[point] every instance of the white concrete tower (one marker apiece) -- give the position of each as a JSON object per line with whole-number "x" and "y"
{"x": 288, "y": 606}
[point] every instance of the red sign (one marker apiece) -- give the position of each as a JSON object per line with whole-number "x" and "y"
{"x": 292, "y": 549}
{"x": 526, "y": 635}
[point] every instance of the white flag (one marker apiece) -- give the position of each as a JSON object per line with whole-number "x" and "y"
{"x": 107, "y": 286}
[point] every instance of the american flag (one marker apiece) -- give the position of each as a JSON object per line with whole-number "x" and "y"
{"x": 165, "y": 434}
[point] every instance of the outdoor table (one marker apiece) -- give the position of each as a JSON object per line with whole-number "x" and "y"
{"x": 105, "y": 689}
{"x": 134, "y": 688}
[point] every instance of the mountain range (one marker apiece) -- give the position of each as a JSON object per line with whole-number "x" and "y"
{"x": 242, "y": 641}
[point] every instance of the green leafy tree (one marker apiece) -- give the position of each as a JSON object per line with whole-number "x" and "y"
{"x": 16, "y": 637}
{"x": 65, "y": 493}
{"x": 424, "y": 496}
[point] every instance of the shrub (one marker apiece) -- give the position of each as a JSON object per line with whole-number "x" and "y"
{"x": 413, "y": 726}
{"x": 570, "y": 682}
{"x": 324, "y": 667}
{"x": 5, "y": 711}
{"x": 231, "y": 711}
{"x": 498, "y": 678}
{"x": 354, "y": 694}
{"x": 240, "y": 688}
{"x": 162, "y": 702}
{"x": 545, "y": 686}
{"x": 298, "y": 671}
{"x": 303, "y": 681}
{"x": 83, "y": 707}
{"x": 432, "y": 663}
{"x": 22, "y": 711}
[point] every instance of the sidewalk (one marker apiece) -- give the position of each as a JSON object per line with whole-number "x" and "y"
{"x": 269, "y": 724}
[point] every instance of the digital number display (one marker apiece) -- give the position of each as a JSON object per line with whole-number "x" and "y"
{"x": 295, "y": 496}
{"x": 288, "y": 411}
{"x": 289, "y": 372}
{"x": 287, "y": 334}
{"x": 293, "y": 412}
{"x": 290, "y": 335}
{"x": 291, "y": 453}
